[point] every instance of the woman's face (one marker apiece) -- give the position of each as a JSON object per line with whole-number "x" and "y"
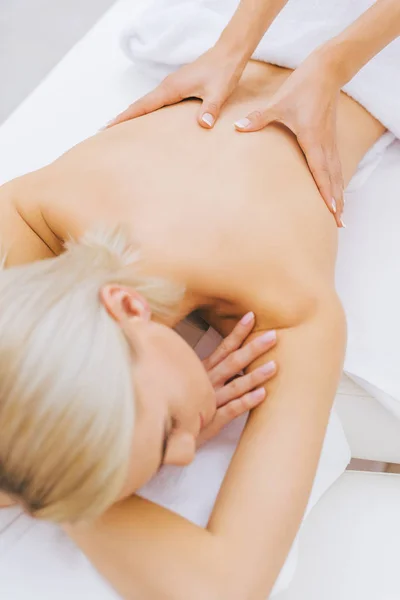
{"x": 173, "y": 400}
{"x": 174, "y": 397}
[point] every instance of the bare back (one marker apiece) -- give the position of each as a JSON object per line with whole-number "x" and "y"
{"x": 204, "y": 205}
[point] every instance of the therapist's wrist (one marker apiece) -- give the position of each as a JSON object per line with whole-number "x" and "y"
{"x": 335, "y": 62}
{"x": 231, "y": 57}
{"x": 231, "y": 49}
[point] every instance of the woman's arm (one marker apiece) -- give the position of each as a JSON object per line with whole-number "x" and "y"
{"x": 148, "y": 552}
{"x": 363, "y": 39}
{"x": 249, "y": 23}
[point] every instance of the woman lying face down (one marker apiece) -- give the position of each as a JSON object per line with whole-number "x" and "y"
{"x": 91, "y": 384}
{"x": 104, "y": 393}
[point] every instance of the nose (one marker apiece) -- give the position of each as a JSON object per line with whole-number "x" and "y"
{"x": 181, "y": 449}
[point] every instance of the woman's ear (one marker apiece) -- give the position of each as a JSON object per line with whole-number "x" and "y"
{"x": 124, "y": 303}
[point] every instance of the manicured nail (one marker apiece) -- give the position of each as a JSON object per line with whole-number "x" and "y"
{"x": 248, "y": 318}
{"x": 258, "y": 394}
{"x": 208, "y": 119}
{"x": 242, "y": 123}
{"x": 342, "y": 223}
{"x": 334, "y": 207}
{"x": 268, "y": 368}
{"x": 268, "y": 337}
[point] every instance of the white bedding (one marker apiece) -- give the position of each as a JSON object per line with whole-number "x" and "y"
{"x": 85, "y": 90}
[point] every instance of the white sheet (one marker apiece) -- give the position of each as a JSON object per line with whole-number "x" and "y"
{"x": 368, "y": 282}
{"x": 85, "y": 90}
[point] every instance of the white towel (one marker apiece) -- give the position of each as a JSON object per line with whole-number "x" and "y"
{"x": 170, "y": 33}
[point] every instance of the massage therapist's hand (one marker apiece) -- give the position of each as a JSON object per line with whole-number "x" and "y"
{"x": 236, "y": 393}
{"x": 307, "y": 103}
{"x": 211, "y": 78}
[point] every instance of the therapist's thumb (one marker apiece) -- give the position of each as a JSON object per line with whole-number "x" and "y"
{"x": 209, "y": 112}
{"x": 256, "y": 120}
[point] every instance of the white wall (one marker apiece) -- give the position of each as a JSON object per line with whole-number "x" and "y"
{"x": 34, "y": 36}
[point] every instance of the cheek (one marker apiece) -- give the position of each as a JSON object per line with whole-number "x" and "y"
{"x": 143, "y": 464}
{"x": 150, "y": 416}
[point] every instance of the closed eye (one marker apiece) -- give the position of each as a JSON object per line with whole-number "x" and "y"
{"x": 167, "y": 432}
{"x": 170, "y": 424}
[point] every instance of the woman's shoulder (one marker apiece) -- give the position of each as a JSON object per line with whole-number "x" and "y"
{"x": 19, "y": 241}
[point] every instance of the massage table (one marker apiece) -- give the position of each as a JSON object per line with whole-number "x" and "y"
{"x": 350, "y": 543}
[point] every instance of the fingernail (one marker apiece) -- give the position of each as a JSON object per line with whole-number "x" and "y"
{"x": 334, "y": 207}
{"x": 242, "y": 123}
{"x": 268, "y": 337}
{"x": 342, "y": 223}
{"x": 268, "y": 368}
{"x": 248, "y": 318}
{"x": 258, "y": 394}
{"x": 208, "y": 119}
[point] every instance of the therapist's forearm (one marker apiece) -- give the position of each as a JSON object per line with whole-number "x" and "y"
{"x": 248, "y": 25}
{"x": 348, "y": 52}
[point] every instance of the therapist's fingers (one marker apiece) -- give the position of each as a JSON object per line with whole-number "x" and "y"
{"x": 258, "y": 119}
{"x": 319, "y": 167}
{"x": 320, "y": 152}
{"x": 337, "y": 185}
{"x": 325, "y": 173}
{"x": 209, "y": 111}
{"x": 163, "y": 95}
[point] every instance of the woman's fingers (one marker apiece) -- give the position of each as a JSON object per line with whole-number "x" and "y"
{"x": 337, "y": 185}
{"x": 208, "y": 114}
{"x": 163, "y": 95}
{"x": 244, "y": 384}
{"x": 231, "y": 343}
{"x": 226, "y": 414}
{"x": 320, "y": 167}
{"x": 242, "y": 358}
{"x": 256, "y": 120}
{"x": 324, "y": 165}
{"x": 209, "y": 111}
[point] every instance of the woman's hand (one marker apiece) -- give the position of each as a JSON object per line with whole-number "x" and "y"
{"x": 211, "y": 78}
{"x": 307, "y": 104}
{"x": 237, "y": 393}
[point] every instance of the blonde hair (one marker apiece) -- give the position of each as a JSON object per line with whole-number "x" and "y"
{"x": 66, "y": 387}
